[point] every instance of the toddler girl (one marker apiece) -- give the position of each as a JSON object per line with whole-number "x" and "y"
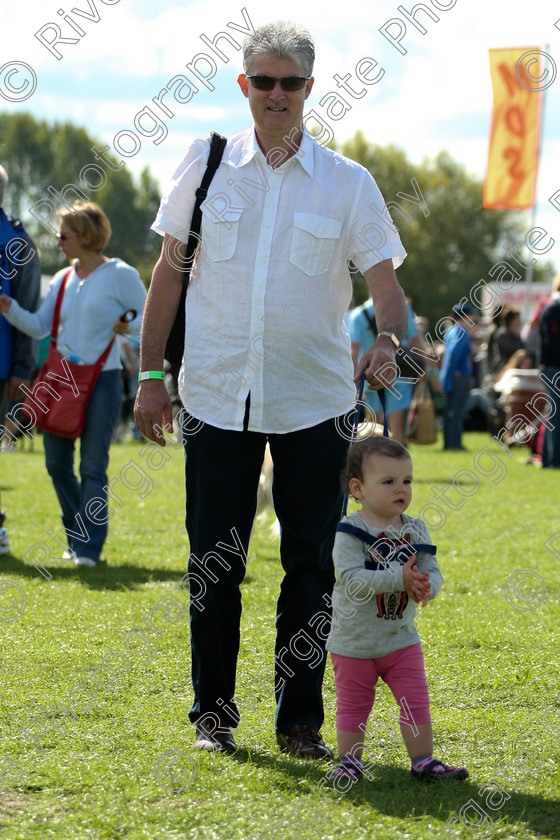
{"x": 385, "y": 564}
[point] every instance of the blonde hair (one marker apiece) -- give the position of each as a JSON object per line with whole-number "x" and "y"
{"x": 86, "y": 218}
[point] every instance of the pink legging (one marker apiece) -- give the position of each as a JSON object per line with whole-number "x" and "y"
{"x": 355, "y": 679}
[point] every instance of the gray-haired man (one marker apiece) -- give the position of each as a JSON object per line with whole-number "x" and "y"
{"x": 267, "y": 358}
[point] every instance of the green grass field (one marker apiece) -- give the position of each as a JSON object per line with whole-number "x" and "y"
{"x": 115, "y": 760}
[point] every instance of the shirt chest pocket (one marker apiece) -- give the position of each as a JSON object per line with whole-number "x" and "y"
{"x": 313, "y": 242}
{"x": 220, "y": 232}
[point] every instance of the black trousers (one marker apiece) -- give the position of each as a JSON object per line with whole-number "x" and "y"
{"x": 222, "y": 474}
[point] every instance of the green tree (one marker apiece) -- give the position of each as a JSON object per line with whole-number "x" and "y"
{"x": 38, "y": 156}
{"x": 453, "y": 247}
{"x": 27, "y": 155}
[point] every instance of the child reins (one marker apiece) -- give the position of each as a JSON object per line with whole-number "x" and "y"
{"x": 359, "y": 401}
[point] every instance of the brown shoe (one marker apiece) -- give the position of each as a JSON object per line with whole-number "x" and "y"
{"x": 213, "y": 738}
{"x": 304, "y": 741}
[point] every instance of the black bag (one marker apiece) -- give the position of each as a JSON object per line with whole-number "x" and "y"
{"x": 176, "y": 340}
{"x": 407, "y": 370}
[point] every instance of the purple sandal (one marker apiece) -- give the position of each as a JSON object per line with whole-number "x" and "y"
{"x": 438, "y": 770}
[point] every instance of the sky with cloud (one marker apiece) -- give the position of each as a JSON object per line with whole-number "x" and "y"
{"x": 437, "y": 95}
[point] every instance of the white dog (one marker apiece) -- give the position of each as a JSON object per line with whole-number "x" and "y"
{"x": 264, "y": 492}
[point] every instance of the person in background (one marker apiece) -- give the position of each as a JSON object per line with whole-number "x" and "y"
{"x": 20, "y": 277}
{"x": 99, "y": 291}
{"x": 496, "y": 318}
{"x": 362, "y": 328}
{"x": 550, "y": 361}
{"x": 456, "y": 374}
{"x": 432, "y": 364}
{"x": 530, "y": 332}
{"x": 130, "y": 358}
{"x": 507, "y": 339}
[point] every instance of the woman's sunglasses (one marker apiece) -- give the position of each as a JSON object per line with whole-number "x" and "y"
{"x": 287, "y": 83}
{"x": 65, "y": 236}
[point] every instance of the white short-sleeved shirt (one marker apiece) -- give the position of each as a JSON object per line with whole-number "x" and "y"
{"x": 270, "y": 286}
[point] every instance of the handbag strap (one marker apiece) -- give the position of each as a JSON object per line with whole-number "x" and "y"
{"x": 58, "y": 305}
{"x": 217, "y": 146}
{"x": 105, "y": 355}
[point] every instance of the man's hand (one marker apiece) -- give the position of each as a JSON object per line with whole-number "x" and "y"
{"x": 391, "y": 316}
{"x": 14, "y": 385}
{"x": 379, "y": 364}
{"x": 152, "y": 410}
{"x": 416, "y": 585}
{"x": 5, "y": 303}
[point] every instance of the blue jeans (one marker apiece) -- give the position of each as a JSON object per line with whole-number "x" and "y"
{"x": 84, "y": 535}
{"x": 454, "y": 411}
{"x": 551, "y": 441}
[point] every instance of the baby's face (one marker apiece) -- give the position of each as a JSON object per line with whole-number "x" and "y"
{"x": 386, "y": 489}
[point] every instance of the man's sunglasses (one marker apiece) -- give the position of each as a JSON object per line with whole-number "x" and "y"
{"x": 287, "y": 83}
{"x": 65, "y": 236}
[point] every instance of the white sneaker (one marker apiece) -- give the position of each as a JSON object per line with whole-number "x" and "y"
{"x": 69, "y": 554}
{"x": 85, "y": 561}
{"x": 4, "y": 542}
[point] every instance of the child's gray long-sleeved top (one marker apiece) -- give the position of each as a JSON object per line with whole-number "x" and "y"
{"x": 372, "y": 614}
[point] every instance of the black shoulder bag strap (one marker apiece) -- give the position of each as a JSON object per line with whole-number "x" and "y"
{"x": 176, "y": 340}
{"x": 371, "y": 321}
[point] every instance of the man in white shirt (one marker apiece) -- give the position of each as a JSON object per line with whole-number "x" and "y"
{"x": 267, "y": 357}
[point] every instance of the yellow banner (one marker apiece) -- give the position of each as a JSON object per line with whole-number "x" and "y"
{"x": 513, "y": 154}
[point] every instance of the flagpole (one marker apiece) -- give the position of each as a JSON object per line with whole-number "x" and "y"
{"x": 529, "y": 267}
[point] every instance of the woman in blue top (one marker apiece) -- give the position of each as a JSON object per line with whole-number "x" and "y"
{"x": 399, "y": 396}
{"x": 98, "y": 292}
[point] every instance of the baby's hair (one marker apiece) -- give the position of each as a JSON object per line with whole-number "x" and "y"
{"x": 373, "y": 445}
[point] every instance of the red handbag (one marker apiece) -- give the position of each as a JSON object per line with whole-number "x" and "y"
{"x": 58, "y": 400}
